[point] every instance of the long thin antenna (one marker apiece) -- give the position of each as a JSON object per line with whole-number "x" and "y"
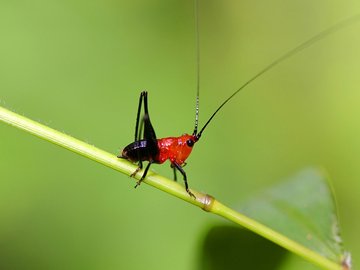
{"x": 336, "y": 27}
{"x": 197, "y": 45}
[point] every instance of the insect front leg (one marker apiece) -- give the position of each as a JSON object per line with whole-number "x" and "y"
{"x": 181, "y": 170}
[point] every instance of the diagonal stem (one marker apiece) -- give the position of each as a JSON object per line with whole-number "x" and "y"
{"x": 204, "y": 201}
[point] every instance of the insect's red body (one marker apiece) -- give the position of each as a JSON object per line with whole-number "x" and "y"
{"x": 175, "y": 149}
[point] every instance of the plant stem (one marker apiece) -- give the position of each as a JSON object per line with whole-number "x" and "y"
{"x": 204, "y": 201}
{"x": 274, "y": 236}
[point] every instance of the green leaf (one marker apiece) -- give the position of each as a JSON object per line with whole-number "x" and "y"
{"x": 303, "y": 209}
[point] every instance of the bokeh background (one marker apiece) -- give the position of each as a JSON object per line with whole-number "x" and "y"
{"x": 79, "y": 66}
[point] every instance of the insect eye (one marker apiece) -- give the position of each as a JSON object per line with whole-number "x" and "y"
{"x": 190, "y": 143}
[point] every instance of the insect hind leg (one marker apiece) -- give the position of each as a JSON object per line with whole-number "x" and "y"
{"x": 137, "y": 169}
{"x": 144, "y": 174}
{"x": 137, "y": 133}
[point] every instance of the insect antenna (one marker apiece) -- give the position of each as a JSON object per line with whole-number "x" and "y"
{"x": 321, "y": 35}
{"x": 197, "y": 52}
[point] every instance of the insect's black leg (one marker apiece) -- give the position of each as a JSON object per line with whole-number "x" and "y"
{"x": 181, "y": 170}
{"x": 141, "y": 128}
{"x": 149, "y": 132}
{"x": 137, "y": 135}
{"x": 174, "y": 169}
{"x": 143, "y": 176}
{"x": 146, "y": 103}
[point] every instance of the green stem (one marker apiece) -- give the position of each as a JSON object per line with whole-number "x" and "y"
{"x": 274, "y": 236}
{"x": 203, "y": 201}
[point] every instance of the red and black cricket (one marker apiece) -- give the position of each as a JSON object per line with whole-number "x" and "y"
{"x": 149, "y": 148}
{"x": 177, "y": 149}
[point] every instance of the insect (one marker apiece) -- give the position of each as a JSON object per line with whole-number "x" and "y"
{"x": 147, "y": 147}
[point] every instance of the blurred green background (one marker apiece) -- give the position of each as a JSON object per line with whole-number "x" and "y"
{"x": 79, "y": 66}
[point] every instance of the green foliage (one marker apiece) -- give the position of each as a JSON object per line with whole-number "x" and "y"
{"x": 303, "y": 209}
